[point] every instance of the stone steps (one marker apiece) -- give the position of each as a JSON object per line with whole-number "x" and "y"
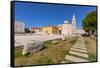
{"x": 80, "y": 50}
{"x": 75, "y": 59}
{"x": 78, "y": 53}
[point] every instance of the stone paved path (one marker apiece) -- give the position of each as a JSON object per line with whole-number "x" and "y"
{"x": 78, "y": 52}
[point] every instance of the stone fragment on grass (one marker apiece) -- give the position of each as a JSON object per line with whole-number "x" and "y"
{"x": 63, "y": 38}
{"x": 32, "y": 47}
{"x": 54, "y": 42}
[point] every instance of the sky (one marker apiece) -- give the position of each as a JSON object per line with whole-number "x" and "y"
{"x": 39, "y": 14}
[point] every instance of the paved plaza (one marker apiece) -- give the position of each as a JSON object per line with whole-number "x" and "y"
{"x": 23, "y": 39}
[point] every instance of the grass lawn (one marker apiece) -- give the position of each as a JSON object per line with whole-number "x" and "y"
{"x": 91, "y": 46}
{"x": 50, "y": 54}
{"x": 18, "y": 51}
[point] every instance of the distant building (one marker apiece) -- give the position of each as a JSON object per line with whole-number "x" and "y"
{"x": 35, "y": 29}
{"x": 50, "y": 30}
{"x": 19, "y": 27}
{"x": 80, "y": 31}
{"x": 60, "y": 28}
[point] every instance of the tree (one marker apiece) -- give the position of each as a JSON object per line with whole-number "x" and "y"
{"x": 27, "y": 30}
{"x": 90, "y": 22}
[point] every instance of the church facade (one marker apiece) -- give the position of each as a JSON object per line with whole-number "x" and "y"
{"x": 69, "y": 29}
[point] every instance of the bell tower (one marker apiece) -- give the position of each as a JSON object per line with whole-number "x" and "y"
{"x": 74, "y": 21}
{"x": 73, "y": 25}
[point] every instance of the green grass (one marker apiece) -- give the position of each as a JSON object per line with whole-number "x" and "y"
{"x": 92, "y": 57}
{"x": 44, "y": 60}
{"x": 18, "y": 53}
{"x": 72, "y": 41}
{"x": 91, "y": 47}
{"x": 47, "y": 43}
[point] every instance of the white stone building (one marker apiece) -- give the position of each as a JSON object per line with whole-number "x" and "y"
{"x": 19, "y": 27}
{"x": 69, "y": 28}
{"x": 66, "y": 28}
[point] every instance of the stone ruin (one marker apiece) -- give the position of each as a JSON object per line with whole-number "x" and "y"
{"x": 32, "y": 47}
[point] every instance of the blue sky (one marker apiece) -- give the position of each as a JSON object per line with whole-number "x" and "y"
{"x": 36, "y": 14}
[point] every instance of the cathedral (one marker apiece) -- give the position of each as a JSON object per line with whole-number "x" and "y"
{"x": 69, "y": 29}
